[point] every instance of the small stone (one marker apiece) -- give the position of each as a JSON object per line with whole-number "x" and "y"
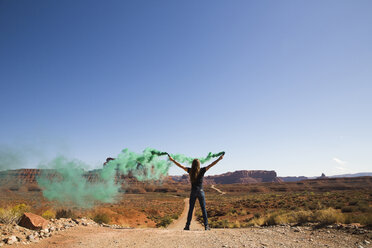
{"x": 359, "y": 246}
{"x": 366, "y": 242}
{"x": 11, "y": 240}
{"x": 31, "y": 238}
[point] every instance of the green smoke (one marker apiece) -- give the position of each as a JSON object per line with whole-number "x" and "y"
{"x": 148, "y": 165}
{"x": 68, "y": 182}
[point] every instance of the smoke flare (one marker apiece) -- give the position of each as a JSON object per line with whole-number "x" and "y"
{"x": 68, "y": 183}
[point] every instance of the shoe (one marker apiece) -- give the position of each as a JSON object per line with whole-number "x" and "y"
{"x": 187, "y": 228}
{"x": 207, "y": 228}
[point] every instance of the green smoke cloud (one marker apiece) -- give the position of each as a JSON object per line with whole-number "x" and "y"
{"x": 148, "y": 165}
{"x": 68, "y": 183}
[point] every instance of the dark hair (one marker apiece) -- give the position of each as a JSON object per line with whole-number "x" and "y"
{"x": 194, "y": 172}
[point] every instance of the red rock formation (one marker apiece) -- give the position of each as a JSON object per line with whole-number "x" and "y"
{"x": 242, "y": 176}
{"x": 29, "y": 177}
{"x": 33, "y": 221}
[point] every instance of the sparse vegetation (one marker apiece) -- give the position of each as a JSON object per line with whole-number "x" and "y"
{"x": 265, "y": 209}
{"x": 11, "y": 215}
{"x": 102, "y": 218}
{"x": 65, "y": 213}
{"x": 49, "y": 214}
{"x": 163, "y": 221}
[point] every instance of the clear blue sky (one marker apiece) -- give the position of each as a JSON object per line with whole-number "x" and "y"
{"x": 278, "y": 85}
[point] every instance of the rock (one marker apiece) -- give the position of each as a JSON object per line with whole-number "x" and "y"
{"x": 33, "y": 221}
{"x": 31, "y": 238}
{"x": 11, "y": 240}
{"x": 366, "y": 242}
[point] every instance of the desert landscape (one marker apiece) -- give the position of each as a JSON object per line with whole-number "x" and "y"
{"x": 245, "y": 209}
{"x": 116, "y": 116}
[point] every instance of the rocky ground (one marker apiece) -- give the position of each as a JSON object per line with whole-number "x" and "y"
{"x": 277, "y": 236}
{"x": 86, "y": 233}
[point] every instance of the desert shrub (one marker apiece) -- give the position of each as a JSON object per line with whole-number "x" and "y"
{"x": 338, "y": 206}
{"x": 102, "y": 218}
{"x": 275, "y": 218}
{"x": 12, "y": 215}
{"x": 328, "y": 216}
{"x": 302, "y": 217}
{"x": 255, "y": 190}
{"x": 353, "y": 203}
{"x": 348, "y": 218}
{"x": 257, "y": 215}
{"x": 243, "y": 212}
{"x": 34, "y": 189}
{"x": 256, "y": 221}
{"x": 175, "y": 216}
{"x": 63, "y": 213}
{"x": 363, "y": 207}
{"x": 137, "y": 190}
{"x": 164, "y": 221}
{"x": 367, "y": 220}
{"x": 150, "y": 188}
{"x": 347, "y": 209}
{"x": 49, "y": 214}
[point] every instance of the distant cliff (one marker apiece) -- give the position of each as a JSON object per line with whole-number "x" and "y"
{"x": 29, "y": 176}
{"x": 241, "y": 176}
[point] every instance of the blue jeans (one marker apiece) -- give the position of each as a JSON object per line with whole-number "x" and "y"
{"x": 197, "y": 193}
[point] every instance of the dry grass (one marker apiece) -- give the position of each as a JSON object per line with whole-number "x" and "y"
{"x": 12, "y": 214}
{"x": 49, "y": 214}
{"x": 264, "y": 209}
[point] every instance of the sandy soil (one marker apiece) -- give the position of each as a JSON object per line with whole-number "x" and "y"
{"x": 218, "y": 190}
{"x": 175, "y": 236}
{"x": 180, "y": 223}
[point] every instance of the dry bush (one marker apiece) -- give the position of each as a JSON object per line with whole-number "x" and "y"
{"x": 328, "y": 216}
{"x": 12, "y": 215}
{"x": 49, "y": 214}
{"x": 163, "y": 221}
{"x": 367, "y": 220}
{"x": 302, "y": 217}
{"x": 63, "y": 213}
{"x": 102, "y": 218}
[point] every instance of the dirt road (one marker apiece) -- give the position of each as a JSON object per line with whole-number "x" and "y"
{"x": 102, "y": 237}
{"x": 180, "y": 223}
{"x": 218, "y": 190}
{"x": 175, "y": 236}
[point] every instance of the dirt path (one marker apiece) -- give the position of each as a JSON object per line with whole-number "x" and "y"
{"x": 179, "y": 224}
{"x": 104, "y": 237}
{"x": 175, "y": 236}
{"x": 218, "y": 190}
